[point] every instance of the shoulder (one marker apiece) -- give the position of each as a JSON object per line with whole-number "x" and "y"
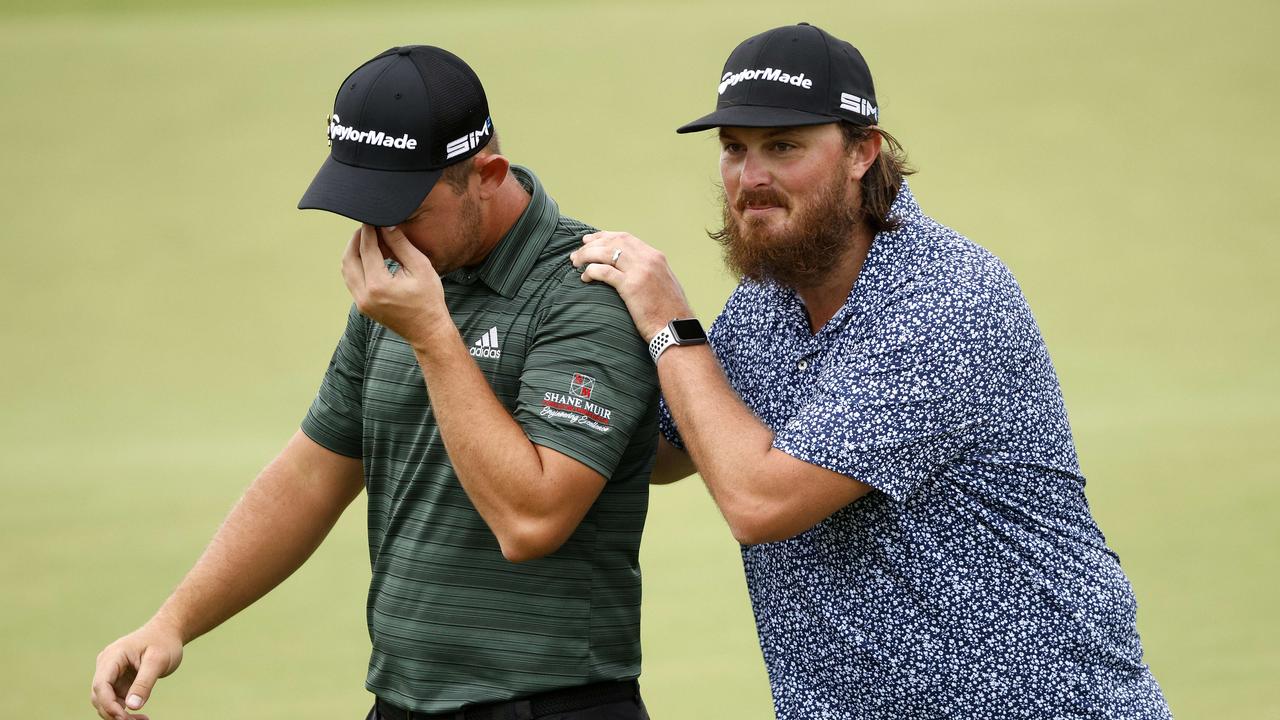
{"x": 569, "y": 286}
{"x": 565, "y": 293}
{"x": 944, "y": 269}
{"x": 956, "y": 297}
{"x": 567, "y": 227}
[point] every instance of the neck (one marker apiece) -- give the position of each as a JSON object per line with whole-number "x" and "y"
{"x": 499, "y": 214}
{"x": 823, "y": 299}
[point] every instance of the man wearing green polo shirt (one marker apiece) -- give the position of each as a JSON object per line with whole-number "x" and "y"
{"x": 500, "y": 414}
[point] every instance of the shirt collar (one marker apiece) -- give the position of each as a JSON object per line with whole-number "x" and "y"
{"x": 510, "y": 261}
{"x": 891, "y": 253}
{"x": 884, "y": 262}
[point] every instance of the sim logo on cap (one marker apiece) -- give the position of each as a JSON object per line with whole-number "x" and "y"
{"x": 469, "y": 141}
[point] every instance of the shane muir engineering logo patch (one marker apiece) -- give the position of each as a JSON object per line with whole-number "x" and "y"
{"x": 576, "y": 408}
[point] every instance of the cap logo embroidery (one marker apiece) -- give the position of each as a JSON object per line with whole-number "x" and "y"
{"x": 338, "y": 131}
{"x": 776, "y": 75}
{"x": 468, "y": 141}
{"x": 849, "y": 101}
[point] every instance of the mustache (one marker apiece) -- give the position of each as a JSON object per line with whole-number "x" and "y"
{"x": 759, "y": 196}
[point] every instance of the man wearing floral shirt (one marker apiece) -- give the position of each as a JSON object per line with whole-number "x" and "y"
{"x": 877, "y": 418}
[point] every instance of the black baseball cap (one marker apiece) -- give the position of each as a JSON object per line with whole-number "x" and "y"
{"x": 792, "y": 75}
{"x": 397, "y": 122}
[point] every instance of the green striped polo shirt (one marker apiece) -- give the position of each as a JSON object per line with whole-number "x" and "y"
{"x": 452, "y": 621}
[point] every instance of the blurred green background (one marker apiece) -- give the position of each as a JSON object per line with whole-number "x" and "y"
{"x": 167, "y": 314}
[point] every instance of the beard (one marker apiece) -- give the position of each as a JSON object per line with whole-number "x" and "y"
{"x": 800, "y": 253}
{"x": 469, "y": 223}
{"x": 464, "y": 235}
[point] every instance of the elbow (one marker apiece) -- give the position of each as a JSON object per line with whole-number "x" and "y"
{"x": 755, "y": 525}
{"x": 752, "y": 518}
{"x": 747, "y": 534}
{"x": 519, "y": 552}
{"x": 531, "y": 541}
{"x": 750, "y": 528}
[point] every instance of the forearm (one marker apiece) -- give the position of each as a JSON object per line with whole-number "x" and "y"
{"x": 497, "y": 465}
{"x": 729, "y": 445}
{"x": 271, "y": 531}
{"x": 764, "y": 494}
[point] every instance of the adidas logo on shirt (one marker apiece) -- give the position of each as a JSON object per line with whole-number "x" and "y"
{"x": 487, "y": 346}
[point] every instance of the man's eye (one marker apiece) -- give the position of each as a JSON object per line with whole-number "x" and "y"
{"x": 783, "y": 146}
{"x": 732, "y": 148}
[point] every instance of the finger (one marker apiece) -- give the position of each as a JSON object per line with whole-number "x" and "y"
{"x": 597, "y": 253}
{"x": 410, "y": 256}
{"x": 153, "y": 665}
{"x": 603, "y": 273}
{"x": 370, "y": 256}
{"x": 105, "y": 700}
{"x": 352, "y": 269}
{"x": 386, "y": 250}
{"x": 603, "y": 236}
{"x": 103, "y": 693}
{"x": 106, "y": 709}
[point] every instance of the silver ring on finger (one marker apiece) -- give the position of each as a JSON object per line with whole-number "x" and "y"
{"x": 617, "y": 253}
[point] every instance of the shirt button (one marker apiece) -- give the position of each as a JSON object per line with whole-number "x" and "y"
{"x": 802, "y": 365}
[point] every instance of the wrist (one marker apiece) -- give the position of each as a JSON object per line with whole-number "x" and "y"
{"x": 166, "y": 623}
{"x": 681, "y": 331}
{"x": 659, "y": 322}
{"x": 433, "y": 337}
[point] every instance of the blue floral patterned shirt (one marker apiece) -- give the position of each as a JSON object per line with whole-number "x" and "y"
{"x": 972, "y": 582}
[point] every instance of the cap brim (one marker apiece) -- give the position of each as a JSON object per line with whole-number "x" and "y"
{"x": 377, "y": 197}
{"x": 756, "y": 116}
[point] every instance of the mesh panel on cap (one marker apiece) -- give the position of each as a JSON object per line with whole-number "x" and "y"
{"x": 457, "y": 99}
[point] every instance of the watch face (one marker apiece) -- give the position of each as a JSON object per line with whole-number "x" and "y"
{"x": 688, "y": 331}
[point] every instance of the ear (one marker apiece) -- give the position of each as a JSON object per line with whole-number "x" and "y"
{"x": 492, "y": 169}
{"x": 863, "y": 154}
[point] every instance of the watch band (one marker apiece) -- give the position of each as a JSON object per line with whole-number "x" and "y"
{"x": 661, "y": 342}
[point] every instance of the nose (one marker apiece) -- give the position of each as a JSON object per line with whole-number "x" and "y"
{"x": 755, "y": 172}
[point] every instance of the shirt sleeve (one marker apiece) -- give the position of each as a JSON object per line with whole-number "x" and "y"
{"x": 335, "y": 420}
{"x": 913, "y": 394}
{"x": 588, "y": 384}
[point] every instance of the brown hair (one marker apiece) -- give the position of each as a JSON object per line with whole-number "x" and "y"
{"x": 883, "y": 179}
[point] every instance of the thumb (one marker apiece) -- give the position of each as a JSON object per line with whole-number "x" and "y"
{"x": 155, "y": 664}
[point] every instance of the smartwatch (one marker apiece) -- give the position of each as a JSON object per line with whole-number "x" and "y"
{"x": 681, "y": 331}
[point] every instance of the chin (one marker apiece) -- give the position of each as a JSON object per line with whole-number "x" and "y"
{"x": 758, "y": 223}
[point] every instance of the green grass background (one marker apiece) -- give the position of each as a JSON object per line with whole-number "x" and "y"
{"x": 166, "y": 314}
